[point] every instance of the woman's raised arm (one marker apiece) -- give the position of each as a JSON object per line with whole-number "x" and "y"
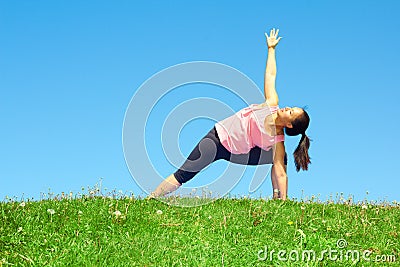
{"x": 270, "y": 93}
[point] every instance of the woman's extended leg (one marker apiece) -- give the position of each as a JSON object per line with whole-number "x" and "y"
{"x": 167, "y": 186}
{"x": 208, "y": 150}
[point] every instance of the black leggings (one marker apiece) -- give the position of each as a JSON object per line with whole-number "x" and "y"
{"x": 210, "y": 149}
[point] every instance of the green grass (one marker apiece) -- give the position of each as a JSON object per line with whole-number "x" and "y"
{"x": 127, "y": 231}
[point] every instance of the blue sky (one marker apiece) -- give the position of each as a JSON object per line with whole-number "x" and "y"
{"x": 68, "y": 70}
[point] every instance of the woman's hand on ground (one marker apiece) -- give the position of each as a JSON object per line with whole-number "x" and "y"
{"x": 273, "y": 39}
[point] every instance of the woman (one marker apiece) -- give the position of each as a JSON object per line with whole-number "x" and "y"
{"x": 252, "y": 136}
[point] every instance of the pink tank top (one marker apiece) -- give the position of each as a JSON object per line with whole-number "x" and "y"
{"x": 245, "y": 129}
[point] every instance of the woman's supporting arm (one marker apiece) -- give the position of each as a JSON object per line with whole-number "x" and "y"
{"x": 280, "y": 178}
{"x": 278, "y": 173}
{"x": 275, "y": 187}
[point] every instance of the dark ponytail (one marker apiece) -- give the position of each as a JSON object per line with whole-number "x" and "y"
{"x": 301, "y": 157}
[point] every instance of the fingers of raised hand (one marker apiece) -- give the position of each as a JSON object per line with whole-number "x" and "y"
{"x": 273, "y": 35}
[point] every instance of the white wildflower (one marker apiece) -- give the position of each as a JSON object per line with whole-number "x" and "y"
{"x": 159, "y": 212}
{"x": 117, "y": 213}
{"x": 19, "y": 229}
{"x": 22, "y": 204}
{"x": 80, "y": 212}
{"x": 301, "y": 233}
{"x": 364, "y": 207}
{"x": 51, "y": 211}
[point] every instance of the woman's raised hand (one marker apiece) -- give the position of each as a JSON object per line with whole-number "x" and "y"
{"x": 272, "y": 39}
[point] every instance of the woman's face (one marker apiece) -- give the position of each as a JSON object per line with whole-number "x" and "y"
{"x": 289, "y": 114}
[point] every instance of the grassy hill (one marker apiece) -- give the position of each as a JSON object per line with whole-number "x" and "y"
{"x": 127, "y": 231}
